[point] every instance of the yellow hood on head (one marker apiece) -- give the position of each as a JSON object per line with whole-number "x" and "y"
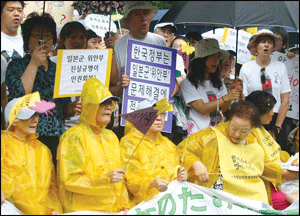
{"x": 93, "y": 92}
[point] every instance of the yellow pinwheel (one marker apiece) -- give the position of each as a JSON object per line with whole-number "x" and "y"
{"x": 188, "y": 49}
{"x": 162, "y": 106}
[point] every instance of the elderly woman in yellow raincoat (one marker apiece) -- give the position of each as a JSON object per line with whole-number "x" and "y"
{"x": 89, "y": 171}
{"x": 228, "y": 157}
{"x": 27, "y": 170}
{"x": 155, "y": 162}
{"x": 265, "y": 103}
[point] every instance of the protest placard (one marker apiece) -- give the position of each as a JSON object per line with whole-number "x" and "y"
{"x": 152, "y": 72}
{"x": 292, "y": 66}
{"x": 99, "y": 24}
{"x": 227, "y": 40}
{"x": 74, "y": 67}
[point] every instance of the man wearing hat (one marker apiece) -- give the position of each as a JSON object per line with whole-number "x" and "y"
{"x": 167, "y": 30}
{"x": 137, "y": 18}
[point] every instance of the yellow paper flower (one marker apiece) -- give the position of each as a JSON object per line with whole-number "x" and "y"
{"x": 162, "y": 106}
{"x": 188, "y": 49}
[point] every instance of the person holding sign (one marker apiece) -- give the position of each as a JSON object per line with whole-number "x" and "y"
{"x": 36, "y": 72}
{"x": 265, "y": 103}
{"x": 228, "y": 157}
{"x": 93, "y": 41}
{"x": 155, "y": 162}
{"x": 270, "y": 75}
{"x": 89, "y": 166}
{"x": 27, "y": 170}
{"x": 203, "y": 90}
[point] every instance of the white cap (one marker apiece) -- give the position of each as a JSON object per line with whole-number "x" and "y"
{"x": 115, "y": 98}
{"x": 24, "y": 113}
{"x": 146, "y": 104}
{"x": 160, "y": 25}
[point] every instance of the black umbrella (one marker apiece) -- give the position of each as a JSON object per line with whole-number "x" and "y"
{"x": 235, "y": 14}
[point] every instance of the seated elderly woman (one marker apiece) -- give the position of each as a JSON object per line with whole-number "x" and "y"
{"x": 89, "y": 166}
{"x": 154, "y": 163}
{"x": 27, "y": 170}
{"x": 228, "y": 158}
{"x": 265, "y": 103}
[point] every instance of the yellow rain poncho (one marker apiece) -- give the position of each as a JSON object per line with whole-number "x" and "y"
{"x": 86, "y": 155}
{"x": 204, "y": 147}
{"x": 27, "y": 174}
{"x": 150, "y": 160}
{"x": 273, "y": 153}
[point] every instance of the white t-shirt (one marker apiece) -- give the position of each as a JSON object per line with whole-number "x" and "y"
{"x": 72, "y": 121}
{"x": 10, "y": 43}
{"x": 276, "y": 72}
{"x": 180, "y": 65}
{"x": 121, "y": 48}
{"x": 190, "y": 93}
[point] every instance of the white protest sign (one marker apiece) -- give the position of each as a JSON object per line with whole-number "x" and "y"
{"x": 99, "y": 24}
{"x": 74, "y": 67}
{"x": 9, "y": 209}
{"x": 227, "y": 41}
{"x": 61, "y": 11}
{"x": 292, "y": 66}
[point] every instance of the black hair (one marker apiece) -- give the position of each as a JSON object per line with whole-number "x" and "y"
{"x": 245, "y": 110}
{"x": 3, "y": 3}
{"x": 68, "y": 29}
{"x": 91, "y": 34}
{"x": 196, "y": 73}
{"x": 264, "y": 101}
{"x": 179, "y": 37}
{"x": 283, "y": 33}
{"x": 194, "y": 35}
{"x": 35, "y": 20}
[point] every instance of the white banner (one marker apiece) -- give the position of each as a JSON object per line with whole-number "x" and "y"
{"x": 99, "y": 24}
{"x": 293, "y": 73}
{"x": 185, "y": 198}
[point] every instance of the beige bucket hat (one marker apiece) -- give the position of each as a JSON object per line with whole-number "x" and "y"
{"x": 251, "y": 47}
{"x": 209, "y": 46}
{"x": 133, "y": 5}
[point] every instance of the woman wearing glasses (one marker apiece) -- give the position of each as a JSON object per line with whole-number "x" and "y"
{"x": 36, "y": 72}
{"x": 203, "y": 90}
{"x": 270, "y": 75}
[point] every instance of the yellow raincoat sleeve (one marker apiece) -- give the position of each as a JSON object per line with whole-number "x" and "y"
{"x": 201, "y": 146}
{"x": 73, "y": 172}
{"x": 138, "y": 179}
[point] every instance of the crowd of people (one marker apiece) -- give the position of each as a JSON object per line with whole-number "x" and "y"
{"x": 72, "y": 158}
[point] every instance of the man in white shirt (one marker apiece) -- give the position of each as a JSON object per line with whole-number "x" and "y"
{"x": 11, "y": 18}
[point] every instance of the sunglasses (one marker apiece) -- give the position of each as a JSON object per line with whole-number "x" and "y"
{"x": 263, "y": 76}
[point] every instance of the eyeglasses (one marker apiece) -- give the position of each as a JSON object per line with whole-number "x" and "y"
{"x": 263, "y": 76}
{"x": 45, "y": 37}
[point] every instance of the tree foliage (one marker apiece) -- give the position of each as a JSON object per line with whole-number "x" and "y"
{"x": 162, "y": 4}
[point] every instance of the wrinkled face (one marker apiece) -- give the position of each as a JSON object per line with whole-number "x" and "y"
{"x": 94, "y": 43}
{"x": 238, "y": 129}
{"x": 139, "y": 21}
{"x": 265, "y": 46}
{"x": 76, "y": 40}
{"x": 35, "y": 36}
{"x": 167, "y": 33}
{"x": 23, "y": 128}
{"x": 104, "y": 113}
{"x": 177, "y": 44}
{"x": 158, "y": 124}
{"x": 212, "y": 62}
{"x": 12, "y": 16}
{"x": 267, "y": 117}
